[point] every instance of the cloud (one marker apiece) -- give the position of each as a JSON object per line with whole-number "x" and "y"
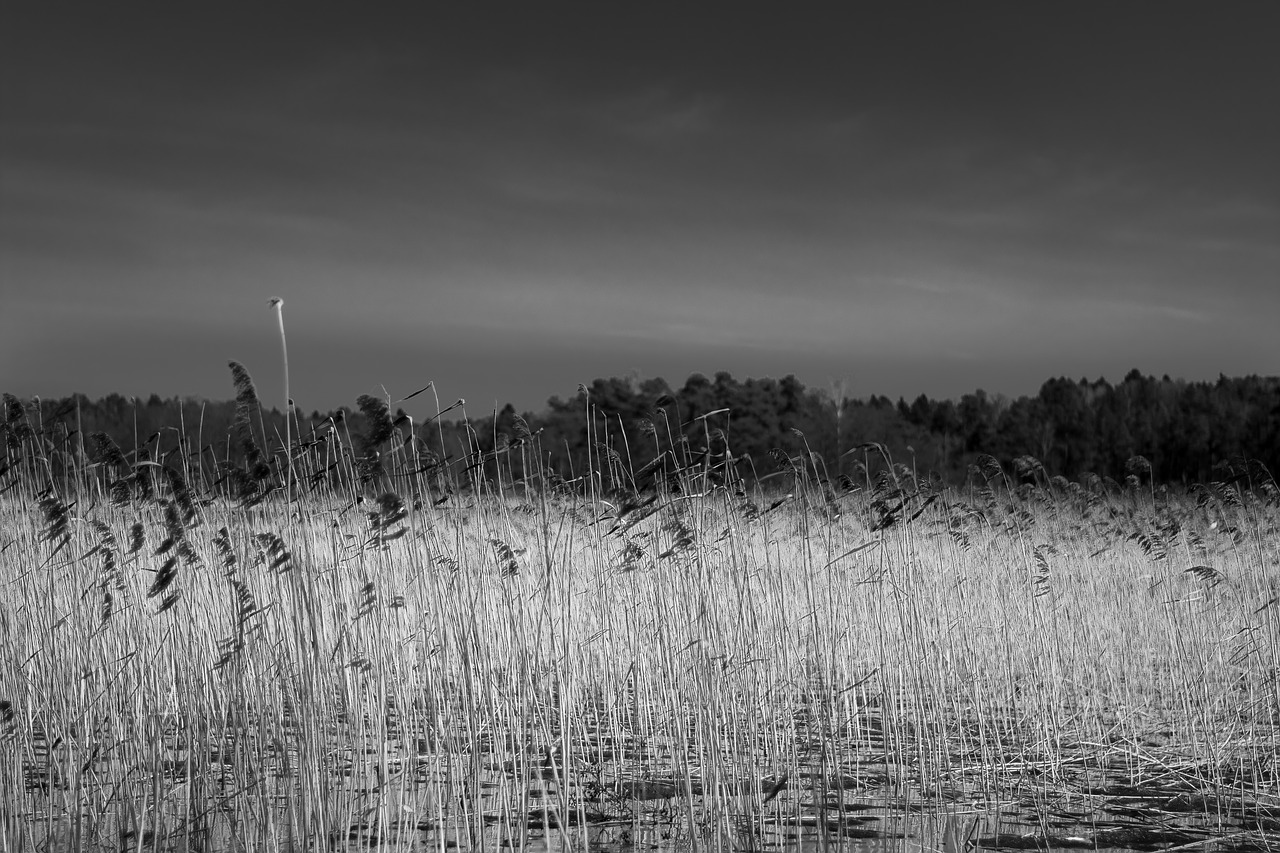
{"x": 658, "y": 116}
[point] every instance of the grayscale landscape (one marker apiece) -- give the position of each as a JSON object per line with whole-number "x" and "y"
{"x": 678, "y": 428}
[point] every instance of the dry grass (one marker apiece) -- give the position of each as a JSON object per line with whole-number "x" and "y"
{"x": 474, "y": 661}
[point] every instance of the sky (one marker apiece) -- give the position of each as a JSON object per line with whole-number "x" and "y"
{"x": 508, "y": 199}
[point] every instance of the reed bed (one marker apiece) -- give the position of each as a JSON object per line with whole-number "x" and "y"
{"x": 420, "y": 651}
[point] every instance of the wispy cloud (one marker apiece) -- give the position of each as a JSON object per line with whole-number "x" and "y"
{"x": 659, "y": 116}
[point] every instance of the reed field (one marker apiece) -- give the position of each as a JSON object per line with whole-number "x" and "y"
{"x": 327, "y": 641}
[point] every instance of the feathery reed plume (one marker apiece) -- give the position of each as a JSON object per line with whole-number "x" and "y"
{"x": 143, "y": 486}
{"x": 8, "y": 731}
{"x": 246, "y": 604}
{"x": 368, "y": 600}
{"x": 246, "y": 393}
{"x": 242, "y": 486}
{"x": 1137, "y": 465}
{"x": 182, "y": 496}
{"x": 783, "y": 460}
{"x": 176, "y": 541}
{"x": 190, "y": 556}
{"x": 222, "y": 543}
{"x": 110, "y": 574}
{"x": 771, "y": 788}
{"x": 381, "y": 427}
{"x": 508, "y": 565}
{"x": 108, "y": 605}
{"x": 17, "y": 427}
{"x": 521, "y": 428}
{"x": 246, "y": 608}
{"x": 57, "y": 519}
{"x": 108, "y": 453}
{"x": 990, "y": 467}
{"x": 137, "y": 537}
{"x": 246, "y": 404}
{"x": 175, "y": 532}
{"x": 380, "y": 431}
{"x": 1040, "y": 579}
{"x": 166, "y": 576}
{"x": 1027, "y": 467}
{"x": 273, "y": 553}
{"x": 682, "y": 538}
{"x": 1211, "y": 576}
{"x": 631, "y": 511}
{"x": 12, "y": 409}
{"x": 391, "y": 509}
{"x": 108, "y": 548}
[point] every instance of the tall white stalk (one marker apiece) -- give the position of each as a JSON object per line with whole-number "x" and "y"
{"x": 278, "y": 304}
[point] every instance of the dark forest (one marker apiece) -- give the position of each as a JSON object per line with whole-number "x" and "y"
{"x": 1178, "y": 431}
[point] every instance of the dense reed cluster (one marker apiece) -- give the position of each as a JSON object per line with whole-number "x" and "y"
{"x": 420, "y": 646}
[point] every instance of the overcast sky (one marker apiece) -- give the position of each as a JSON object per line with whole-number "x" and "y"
{"x": 510, "y": 199}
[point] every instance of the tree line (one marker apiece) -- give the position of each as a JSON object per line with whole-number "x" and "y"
{"x": 1184, "y": 431}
